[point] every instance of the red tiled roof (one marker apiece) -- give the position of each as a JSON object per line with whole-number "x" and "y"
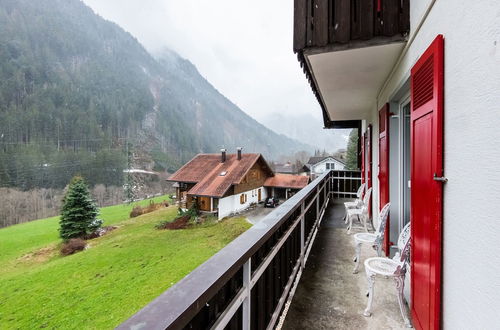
{"x": 287, "y": 181}
{"x": 205, "y": 170}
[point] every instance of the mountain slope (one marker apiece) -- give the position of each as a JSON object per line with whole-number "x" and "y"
{"x": 329, "y": 140}
{"x": 75, "y": 87}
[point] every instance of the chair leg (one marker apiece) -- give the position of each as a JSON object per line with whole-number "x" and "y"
{"x": 371, "y": 283}
{"x": 400, "y": 280}
{"x": 357, "y": 257}
{"x": 349, "y": 226}
{"x": 345, "y": 216}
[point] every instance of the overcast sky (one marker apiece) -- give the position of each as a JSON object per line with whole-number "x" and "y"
{"x": 243, "y": 47}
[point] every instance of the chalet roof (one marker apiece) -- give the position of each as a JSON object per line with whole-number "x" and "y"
{"x": 316, "y": 160}
{"x": 287, "y": 181}
{"x": 212, "y": 177}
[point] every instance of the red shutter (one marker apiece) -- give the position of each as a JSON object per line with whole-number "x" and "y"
{"x": 427, "y": 82}
{"x": 383, "y": 173}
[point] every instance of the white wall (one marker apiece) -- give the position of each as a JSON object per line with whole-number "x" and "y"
{"x": 321, "y": 166}
{"x": 231, "y": 204}
{"x": 471, "y": 226}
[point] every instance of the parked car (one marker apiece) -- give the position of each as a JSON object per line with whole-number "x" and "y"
{"x": 271, "y": 202}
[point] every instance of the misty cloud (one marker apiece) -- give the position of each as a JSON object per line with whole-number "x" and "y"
{"x": 244, "y": 48}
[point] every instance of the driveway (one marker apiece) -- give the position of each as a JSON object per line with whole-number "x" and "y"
{"x": 257, "y": 214}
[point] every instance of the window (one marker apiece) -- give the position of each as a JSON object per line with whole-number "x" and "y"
{"x": 330, "y": 166}
{"x": 327, "y": 166}
{"x": 243, "y": 198}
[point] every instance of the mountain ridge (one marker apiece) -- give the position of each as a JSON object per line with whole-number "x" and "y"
{"x": 77, "y": 90}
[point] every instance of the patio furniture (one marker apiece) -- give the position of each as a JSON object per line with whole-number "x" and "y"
{"x": 375, "y": 240}
{"x": 395, "y": 268}
{"x": 361, "y": 214}
{"x": 357, "y": 203}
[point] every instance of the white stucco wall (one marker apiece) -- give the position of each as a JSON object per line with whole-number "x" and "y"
{"x": 231, "y": 204}
{"x": 320, "y": 167}
{"x": 471, "y": 228}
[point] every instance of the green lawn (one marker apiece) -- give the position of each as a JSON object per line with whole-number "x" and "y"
{"x": 23, "y": 238}
{"x": 107, "y": 283}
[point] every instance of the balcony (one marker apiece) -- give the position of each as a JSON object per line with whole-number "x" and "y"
{"x": 347, "y": 48}
{"x": 292, "y": 270}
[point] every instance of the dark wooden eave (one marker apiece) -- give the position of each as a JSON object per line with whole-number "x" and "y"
{"x": 335, "y": 25}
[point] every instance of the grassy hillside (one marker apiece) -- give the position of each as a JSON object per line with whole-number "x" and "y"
{"x": 24, "y": 238}
{"x": 107, "y": 283}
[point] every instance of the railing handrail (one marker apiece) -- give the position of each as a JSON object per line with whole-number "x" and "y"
{"x": 176, "y": 306}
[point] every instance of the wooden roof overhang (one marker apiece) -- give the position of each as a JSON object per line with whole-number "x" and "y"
{"x": 346, "y": 49}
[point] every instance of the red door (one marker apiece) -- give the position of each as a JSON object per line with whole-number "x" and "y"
{"x": 383, "y": 172}
{"x": 427, "y": 83}
{"x": 363, "y": 157}
{"x": 368, "y": 169}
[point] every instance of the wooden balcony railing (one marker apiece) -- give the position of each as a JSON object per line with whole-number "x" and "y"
{"x": 247, "y": 283}
{"x": 318, "y": 23}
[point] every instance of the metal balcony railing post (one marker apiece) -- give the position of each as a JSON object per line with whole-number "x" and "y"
{"x": 318, "y": 191}
{"x": 247, "y": 278}
{"x": 302, "y": 236}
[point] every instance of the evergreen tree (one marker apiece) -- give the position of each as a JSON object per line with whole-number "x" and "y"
{"x": 79, "y": 211}
{"x": 352, "y": 151}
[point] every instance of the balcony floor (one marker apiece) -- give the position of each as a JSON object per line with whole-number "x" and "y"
{"x": 330, "y": 296}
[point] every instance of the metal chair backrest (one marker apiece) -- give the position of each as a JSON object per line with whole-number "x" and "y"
{"x": 366, "y": 200}
{"x": 404, "y": 237}
{"x": 382, "y": 222}
{"x": 359, "y": 193}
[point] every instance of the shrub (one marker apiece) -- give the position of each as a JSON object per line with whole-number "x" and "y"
{"x": 73, "y": 245}
{"x": 79, "y": 212}
{"x": 139, "y": 210}
{"x": 136, "y": 211}
{"x": 180, "y": 222}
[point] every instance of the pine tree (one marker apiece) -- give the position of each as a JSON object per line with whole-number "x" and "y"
{"x": 352, "y": 151}
{"x": 79, "y": 211}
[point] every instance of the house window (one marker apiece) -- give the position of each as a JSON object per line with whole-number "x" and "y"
{"x": 243, "y": 198}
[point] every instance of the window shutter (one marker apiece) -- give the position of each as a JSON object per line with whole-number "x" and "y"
{"x": 427, "y": 100}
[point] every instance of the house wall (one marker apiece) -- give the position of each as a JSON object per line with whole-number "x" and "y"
{"x": 231, "y": 204}
{"x": 321, "y": 166}
{"x": 471, "y": 252}
{"x": 254, "y": 179}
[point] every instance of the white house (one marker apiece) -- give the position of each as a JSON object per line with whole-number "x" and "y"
{"x": 421, "y": 79}
{"x": 318, "y": 165}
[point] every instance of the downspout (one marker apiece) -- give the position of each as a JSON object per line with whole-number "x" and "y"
{"x": 405, "y": 49}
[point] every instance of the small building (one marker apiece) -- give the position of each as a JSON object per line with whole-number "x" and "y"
{"x": 224, "y": 184}
{"x": 284, "y": 186}
{"x": 318, "y": 165}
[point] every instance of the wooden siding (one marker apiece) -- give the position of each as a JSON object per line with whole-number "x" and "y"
{"x": 253, "y": 180}
{"x": 318, "y": 23}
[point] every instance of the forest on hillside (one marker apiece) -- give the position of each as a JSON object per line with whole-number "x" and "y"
{"x": 79, "y": 95}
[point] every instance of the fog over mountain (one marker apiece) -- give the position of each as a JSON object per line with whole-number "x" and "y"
{"x": 307, "y": 129}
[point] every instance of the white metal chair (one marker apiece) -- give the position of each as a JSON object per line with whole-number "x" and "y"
{"x": 375, "y": 240}
{"x": 361, "y": 214}
{"x": 357, "y": 203}
{"x": 395, "y": 268}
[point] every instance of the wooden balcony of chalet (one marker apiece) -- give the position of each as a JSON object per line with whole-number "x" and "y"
{"x": 342, "y": 24}
{"x": 347, "y": 48}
